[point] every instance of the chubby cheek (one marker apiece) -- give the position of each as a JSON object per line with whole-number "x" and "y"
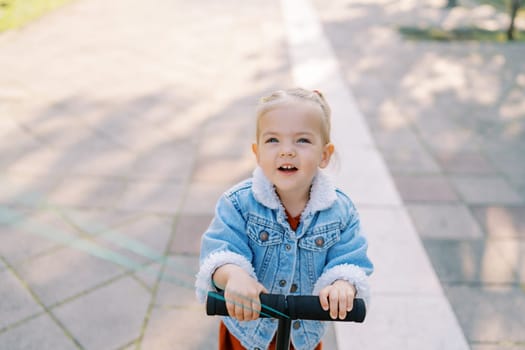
{"x": 265, "y": 160}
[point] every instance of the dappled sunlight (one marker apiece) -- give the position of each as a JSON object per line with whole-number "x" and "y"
{"x": 434, "y": 75}
{"x": 391, "y": 117}
{"x": 493, "y": 264}
{"x": 500, "y": 222}
{"x": 514, "y": 106}
{"x": 484, "y": 16}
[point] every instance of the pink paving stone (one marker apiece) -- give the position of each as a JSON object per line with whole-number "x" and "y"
{"x": 501, "y": 221}
{"x": 425, "y": 188}
{"x": 466, "y": 162}
{"x": 188, "y": 231}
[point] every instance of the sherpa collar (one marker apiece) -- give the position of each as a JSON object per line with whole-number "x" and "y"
{"x": 322, "y": 193}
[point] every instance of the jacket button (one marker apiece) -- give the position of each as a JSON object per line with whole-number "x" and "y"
{"x": 319, "y": 241}
{"x": 282, "y": 283}
{"x": 264, "y": 236}
{"x": 296, "y": 325}
{"x": 293, "y": 288}
{"x": 288, "y": 247}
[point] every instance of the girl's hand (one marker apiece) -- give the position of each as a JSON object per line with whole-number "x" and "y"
{"x": 338, "y": 297}
{"x": 241, "y": 293}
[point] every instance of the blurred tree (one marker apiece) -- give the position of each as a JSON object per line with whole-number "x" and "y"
{"x": 514, "y": 7}
{"x": 452, "y": 3}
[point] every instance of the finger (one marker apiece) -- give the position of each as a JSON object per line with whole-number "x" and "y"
{"x": 323, "y": 299}
{"x": 229, "y": 304}
{"x": 342, "y": 307}
{"x": 334, "y": 303}
{"x": 239, "y": 311}
{"x": 349, "y": 302}
{"x": 255, "y": 311}
{"x": 248, "y": 311}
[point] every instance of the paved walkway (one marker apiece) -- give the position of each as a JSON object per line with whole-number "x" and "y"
{"x": 121, "y": 123}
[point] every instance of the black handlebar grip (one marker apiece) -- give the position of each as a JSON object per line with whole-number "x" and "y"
{"x": 308, "y": 307}
{"x": 273, "y": 305}
{"x": 303, "y": 307}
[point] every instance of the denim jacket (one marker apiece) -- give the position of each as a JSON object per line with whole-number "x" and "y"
{"x": 250, "y": 230}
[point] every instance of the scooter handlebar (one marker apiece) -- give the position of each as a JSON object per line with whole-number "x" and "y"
{"x": 304, "y": 307}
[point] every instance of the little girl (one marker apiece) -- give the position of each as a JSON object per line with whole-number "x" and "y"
{"x": 287, "y": 230}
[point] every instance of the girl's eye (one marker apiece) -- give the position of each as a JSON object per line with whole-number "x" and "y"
{"x": 271, "y": 140}
{"x": 303, "y": 140}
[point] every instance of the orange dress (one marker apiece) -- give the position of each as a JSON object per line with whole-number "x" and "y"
{"x": 228, "y": 342}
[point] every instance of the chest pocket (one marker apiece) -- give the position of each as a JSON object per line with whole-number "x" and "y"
{"x": 263, "y": 231}
{"x": 321, "y": 238}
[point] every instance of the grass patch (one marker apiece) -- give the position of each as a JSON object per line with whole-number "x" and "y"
{"x": 458, "y": 34}
{"x": 15, "y": 13}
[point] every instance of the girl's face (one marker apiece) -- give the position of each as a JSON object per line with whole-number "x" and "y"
{"x": 290, "y": 147}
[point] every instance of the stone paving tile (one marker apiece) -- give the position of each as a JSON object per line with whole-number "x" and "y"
{"x": 25, "y": 191}
{"x": 164, "y": 162}
{"x": 377, "y": 225}
{"x": 503, "y": 306}
{"x": 177, "y": 286}
{"x": 105, "y": 163}
{"x": 465, "y": 163}
{"x": 181, "y": 329}
{"x": 445, "y": 221}
{"x": 229, "y": 139}
{"x": 473, "y": 261}
{"x": 485, "y": 190}
{"x": 17, "y": 303}
{"x": 433, "y": 188}
{"x": 15, "y": 142}
{"x": 95, "y": 221}
{"x": 507, "y": 156}
{"x": 392, "y": 319}
{"x": 188, "y": 231}
{"x": 371, "y": 184}
{"x": 86, "y": 193}
{"x": 151, "y": 197}
{"x": 503, "y": 345}
{"x": 142, "y": 241}
{"x": 404, "y": 153}
{"x": 513, "y": 251}
{"x": 149, "y": 275}
{"x": 40, "y": 333}
{"x": 45, "y": 162}
{"x": 444, "y": 135}
{"x": 65, "y": 273}
{"x": 224, "y": 171}
{"x": 29, "y": 236}
{"x": 501, "y": 221}
{"x": 202, "y": 198}
{"x": 108, "y": 317}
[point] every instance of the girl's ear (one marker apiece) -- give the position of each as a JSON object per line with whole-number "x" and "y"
{"x": 328, "y": 151}
{"x": 255, "y": 151}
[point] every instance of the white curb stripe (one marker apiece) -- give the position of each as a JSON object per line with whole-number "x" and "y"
{"x": 409, "y": 309}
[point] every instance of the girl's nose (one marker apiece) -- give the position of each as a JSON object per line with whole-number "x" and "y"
{"x": 287, "y": 154}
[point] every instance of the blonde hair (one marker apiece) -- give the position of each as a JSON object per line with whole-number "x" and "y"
{"x": 282, "y": 98}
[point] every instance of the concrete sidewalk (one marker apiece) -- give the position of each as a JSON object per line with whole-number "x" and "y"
{"x": 121, "y": 124}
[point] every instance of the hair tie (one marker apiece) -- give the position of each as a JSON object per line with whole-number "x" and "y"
{"x": 318, "y": 93}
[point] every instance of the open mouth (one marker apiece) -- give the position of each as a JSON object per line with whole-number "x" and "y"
{"x": 287, "y": 168}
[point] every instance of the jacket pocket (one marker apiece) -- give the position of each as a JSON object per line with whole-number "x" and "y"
{"x": 321, "y": 238}
{"x": 265, "y": 238}
{"x": 263, "y": 232}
